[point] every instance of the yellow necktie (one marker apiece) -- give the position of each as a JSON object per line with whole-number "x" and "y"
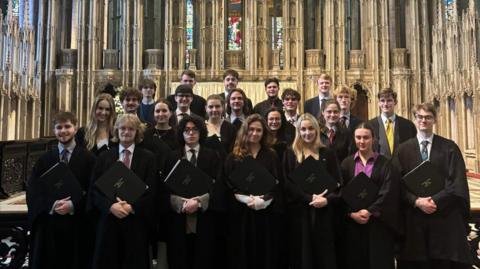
{"x": 389, "y": 132}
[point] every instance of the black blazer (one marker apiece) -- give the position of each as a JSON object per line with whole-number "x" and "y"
{"x": 342, "y": 142}
{"x": 81, "y": 164}
{"x": 262, "y": 107}
{"x": 312, "y": 106}
{"x": 197, "y": 106}
{"x": 143, "y": 164}
{"x": 404, "y": 130}
{"x": 354, "y": 122}
{"x": 228, "y": 134}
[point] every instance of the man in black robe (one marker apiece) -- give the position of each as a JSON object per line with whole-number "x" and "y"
{"x": 59, "y": 229}
{"x": 272, "y": 87}
{"x": 435, "y": 227}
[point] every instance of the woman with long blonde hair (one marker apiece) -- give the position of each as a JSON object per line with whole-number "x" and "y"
{"x": 254, "y": 220}
{"x": 311, "y": 217}
{"x": 97, "y": 135}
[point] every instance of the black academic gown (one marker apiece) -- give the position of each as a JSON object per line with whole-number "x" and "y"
{"x": 224, "y": 145}
{"x": 371, "y": 245}
{"x": 199, "y": 250}
{"x": 59, "y": 241}
{"x": 443, "y": 234}
{"x": 80, "y": 140}
{"x": 123, "y": 243}
{"x": 168, "y": 136}
{"x": 255, "y": 237}
{"x": 342, "y": 142}
{"x": 311, "y": 230}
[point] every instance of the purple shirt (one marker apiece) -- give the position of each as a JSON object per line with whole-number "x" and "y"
{"x": 366, "y": 169}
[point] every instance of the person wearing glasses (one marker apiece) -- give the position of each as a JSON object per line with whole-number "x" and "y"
{"x": 183, "y": 98}
{"x": 192, "y": 240}
{"x": 435, "y": 227}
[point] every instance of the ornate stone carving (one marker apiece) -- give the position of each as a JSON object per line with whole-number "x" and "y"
{"x": 110, "y": 59}
{"x": 154, "y": 58}
{"x": 314, "y": 58}
{"x": 357, "y": 59}
{"x": 276, "y": 59}
{"x": 234, "y": 59}
{"x": 400, "y": 58}
{"x": 192, "y": 57}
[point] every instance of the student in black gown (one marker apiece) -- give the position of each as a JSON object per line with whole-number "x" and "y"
{"x": 311, "y": 224}
{"x": 221, "y": 133}
{"x": 192, "y": 240}
{"x": 436, "y": 226}
{"x": 283, "y": 133}
{"x": 332, "y": 134}
{"x": 57, "y": 227}
{"x": 123, "y": 228}
{"x": 254, "y": 237}
{"x": 165, "y": 125}
{"x": 97, "y": 135}
{"x": 370, "y": 232}
{"x": 237, "y": 109}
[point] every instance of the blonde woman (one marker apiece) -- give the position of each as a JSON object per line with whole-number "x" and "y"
{"x": 96, "y": 136}
{"x": 311, "y": 217}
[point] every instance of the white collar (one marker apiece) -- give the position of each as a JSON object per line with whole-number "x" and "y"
{"x": 179, "y": 112}
{"x": 70, "y": 147}
{"x": 196, "y": 148}
{"x": 420, "y": 138}
{"x": 131, "y": 148}
{"x": 385, "y": 118}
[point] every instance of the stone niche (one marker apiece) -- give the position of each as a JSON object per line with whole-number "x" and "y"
{"x": 110, "y": 59}
{"x": 314, "y": 58}
{"x": 68, "y": 58}
{"x": 154, "y": 58}
{"x": 357, "y": 59}
{"x": 400, "y": 58}
{"x": 234, "y": 59}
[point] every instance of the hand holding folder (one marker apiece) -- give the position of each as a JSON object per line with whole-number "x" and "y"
{"x": 251, "y": 178}
{"x": 187, "y": 181}
{"x": 424, "y": 180}
{"x": 60, "y": 183}
{"x": 313, "y": 178}
{"x": 360, "y": 192}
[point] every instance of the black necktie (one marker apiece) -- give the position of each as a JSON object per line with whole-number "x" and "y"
{"x": 237, "y": 123}
{"x": 193, "y": 159}
{"x": 64, "y": 156}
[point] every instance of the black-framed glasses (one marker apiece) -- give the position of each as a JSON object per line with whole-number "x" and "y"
{"x": 424, "y": 117}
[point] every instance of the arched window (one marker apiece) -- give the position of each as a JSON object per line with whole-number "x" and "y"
{"x": 114, "y": 24}
{"x": 312, "y": 20}
{"x": 189, "y": 29}
{"x": 276, "y": 14}
{"x": 153, "y": 34}
{"x": 16, "y": 7}
{"x": 234, "y": 25}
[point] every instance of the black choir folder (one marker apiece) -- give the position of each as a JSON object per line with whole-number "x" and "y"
{"x": 60, "y": 183}
{"x": 313, "y": 177}
{"x": 121, "y": 182}
{"x": 188, "y": 181}
{"x": 424, "y": 180}
{"x": 251, "y": 178}
{"x": 360, "y": 192}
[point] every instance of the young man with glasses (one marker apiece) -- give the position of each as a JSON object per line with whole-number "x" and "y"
{"x": 183, "y": 98}
{"x": 290, "y": 99}
{"x": 435, "y": 226}
{"x": 198, "y": 103}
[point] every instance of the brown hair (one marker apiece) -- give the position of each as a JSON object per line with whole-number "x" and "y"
{"x": 346, "y": 90}
{"x": 325, "y": 76}
{"x": 291, "y": 92}
{"x": 64, "y": 116}
{"x": 91, "y": 130}
{"x": 240, "y": 149}
{"x": 387, "y": 92}
{"x": 189, "y": 73}
{"x": 147, "y": 83}
{"x": 246, "y": 110}
{"x": 428, "y": 107}
{"x": 231, "y": 72}
{"x": 130, "y": 92}
{"x": 133, "y": 121}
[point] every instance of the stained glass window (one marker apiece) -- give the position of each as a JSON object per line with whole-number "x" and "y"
{"x": 234, "y": 34}
{"x": 189, "y": 30}
{"x": 275, "y": 13}
{"x": 16, "y": 7}
{"x": 449, "y": 8}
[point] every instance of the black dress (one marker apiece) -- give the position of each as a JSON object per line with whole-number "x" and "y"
{"x": 123, "y": 243}
{"x": 80, "y": 140}
{"x": 311, "y": 230}
{"x": 371, "y": 245}
{"x": 443, "y": 234}
{"x": 168, "y": 136}
{"x": 255, "y": 237}
{"x": 224, "y": 144}
{"x": 202, "y": 248}
{"x": 59, "y": 241}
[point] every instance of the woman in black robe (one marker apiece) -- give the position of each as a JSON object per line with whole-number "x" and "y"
{"x": 165, "y": 125}
{"x": 282, "y": 132}
{"x": 221, "y": 133}
{"x": 436, "y": 226}
{"x": 254, "y": 236}
{"x": 370, "y": 232}
{"x": 192, "y": 240}
{"x": 123, "y": 229}
{"x": 97, "y": 135}
{"x": 311, "y": 226}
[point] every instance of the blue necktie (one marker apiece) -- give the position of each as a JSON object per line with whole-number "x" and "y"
{"x": 424, "y": 150}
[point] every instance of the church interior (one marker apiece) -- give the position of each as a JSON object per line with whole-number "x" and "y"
{"x": 58, "y": 54}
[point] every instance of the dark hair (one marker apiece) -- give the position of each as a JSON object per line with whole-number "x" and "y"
{"x": 147, "y": 83}
{"x": 428, "y": 107}
{"x": 130, "y": 92}
{"x": 246, "y": 110}
{"x": 291, "y": 92}
{"x": 364, "y": 125}
{"x": 231, "y": 72}
{"x": 240, "y": 149}
{"x": 188, "y": 72}
{"x": 184, "y": 89}
{"x": 110, "y": 89}
{"x": 325, "y": 104}
{"x": 199, "y": 123}
{"x": 280, "y": 135}
{"x": 64, "y": 116}
{"x": 386, "y": 93}
{"x": 270, "y": 80}
{"x": 173, "y": 118}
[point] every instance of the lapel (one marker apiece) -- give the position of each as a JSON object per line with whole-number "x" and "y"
{"x": 417, "y": 156}
{"x": 201, "y": 158}
{"x": 73, "y": 157}
{"x": 396, "y": 132}
{"x": 435, "y": 152}
{"x": 135, "y": 159}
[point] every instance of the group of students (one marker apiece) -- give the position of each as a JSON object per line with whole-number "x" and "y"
{"x": 227, "y": 228}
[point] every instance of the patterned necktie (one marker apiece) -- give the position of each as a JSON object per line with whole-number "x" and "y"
{"x": 389, "y": 132}
{"x": 424, "y": 150}
{"x": 126, "y": 158}
{"x": 64, "y": 156}
{"x": 193, "y": 159}
{"x": 331, "y": 135}
{"x": 343, "y": 122}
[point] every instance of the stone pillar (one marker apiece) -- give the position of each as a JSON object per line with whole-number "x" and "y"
{"x": 192, "y": 53}
{"x": 234, "y": 59}
{"x": 276, "y": 59}
{"x": 110, "y": 59}
{"x": 357, "y": 59}
{"x": 154, "y": 58}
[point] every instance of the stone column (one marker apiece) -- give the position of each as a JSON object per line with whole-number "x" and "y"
{"x": 137, "y": 41}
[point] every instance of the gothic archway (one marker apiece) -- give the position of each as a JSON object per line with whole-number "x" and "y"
{"x": 360, "y": 109}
